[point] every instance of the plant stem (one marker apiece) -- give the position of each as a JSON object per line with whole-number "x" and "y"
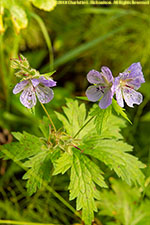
{"x": 47, "y": 38}
{"x": 48, "y": 116}
{"x": 82, "y": 127}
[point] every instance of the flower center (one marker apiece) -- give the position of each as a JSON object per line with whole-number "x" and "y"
{"x": 124, "y": 83}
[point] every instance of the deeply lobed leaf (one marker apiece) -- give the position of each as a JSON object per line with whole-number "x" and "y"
{"x": 75, "y": 118}
{"x": 27, "y": 146}
{"x": 40, "y": 170}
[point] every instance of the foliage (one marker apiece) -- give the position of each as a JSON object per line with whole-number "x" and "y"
{"x": 71, "y": 150}
{"x": 124, "y": 205}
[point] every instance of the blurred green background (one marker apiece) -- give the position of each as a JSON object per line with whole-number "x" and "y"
{"x": 79, "y": 38}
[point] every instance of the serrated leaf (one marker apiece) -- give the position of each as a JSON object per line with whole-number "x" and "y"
{"x": 63, "y": 164}
{"x": 84, "y": 175}
{"x": 100, "y": 117}
{"x": 119, "y": 110}
{"x": 112, "y": 127}
{"x": 28, "y": 146}
{"x": 46, "y": 5}
{"x": 75, "y": 118}
{"x": 44, "y": 126}
{"x": 40, "y": 170}
{"x": 114, "y": 154}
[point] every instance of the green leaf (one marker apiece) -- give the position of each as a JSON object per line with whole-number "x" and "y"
{"x": 44, "y": 126}
{"x": 19, "y": 17}
{"x": 114, "y": 154}
{"x": 63, "y": 164}
{"x": 47, "y": 75}
{"x": 119, "y": 110}
{"x": 107, "y": 125}
{"x": 46, "y": 5}
{"x": 100, "y": 117}
{"x": 28, "y": 146}
{"x": 84, "y": 175}
{"x": 40, "y": 170}
{"x": 123, "y": 204}
{"x": 112, "y": 128}
{"x": 75, "y": 118}
{"x": 82, "y": 98}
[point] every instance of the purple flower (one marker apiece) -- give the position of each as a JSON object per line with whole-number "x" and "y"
{"x": 103, "y": 87}
{"x": 35, "y": 87}
{"x": 126, "y": 84}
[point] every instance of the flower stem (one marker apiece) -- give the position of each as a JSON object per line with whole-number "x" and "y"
{"x": 48, "y": 117}
{"x": 82, "y": 127}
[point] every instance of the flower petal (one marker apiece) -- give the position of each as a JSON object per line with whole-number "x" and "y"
{"x": 136, "y": 83}
{"x": 106, "y": 100}
{"x": 94, "y": 93}
{"x": 134, "y": 74}
{"x": 136, "y": 71}
{"x": 44, "y": 94}
{"x": 28, "y": 98}
{"x": 119, "y": 97}
{"x": 107, "y": 73}
{"x": 20, "y": 86}
{"x": 35, "y": 82}
{"x": 118, "y": 91}
{"x": 47, "y": 82}
{"x": 132, "y": 97}
{"x": 94, "y": 77}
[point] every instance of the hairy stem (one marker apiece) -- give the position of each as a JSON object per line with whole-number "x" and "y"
{"x": 82, "y": 127}
{"x": 48, "y": 117}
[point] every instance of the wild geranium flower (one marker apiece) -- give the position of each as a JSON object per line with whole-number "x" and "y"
{"x": 126, "y": 84}
{"x": 103, "y": 87}
{"x": 31, "y": 88}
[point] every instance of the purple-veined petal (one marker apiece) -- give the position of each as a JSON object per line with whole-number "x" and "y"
{"x": 135, "y": 83}
{"x": 135, "y": 72}
{"x": 119, "y": 97}
{"x": 44, "y": 94}
{"x": 47, "y": 82}
{"x": 132, "y": 97}
{"x": 28, "y": 98}
{"x": 107, "y": 73}
{"x": 35, "y": 82}
{"x": 20, "y": 86}
{"x": 106, "y": 100}
{"x": 94, "y": 77}
{"x": 118, "y": 91}
{"x": 94, "y": 93}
